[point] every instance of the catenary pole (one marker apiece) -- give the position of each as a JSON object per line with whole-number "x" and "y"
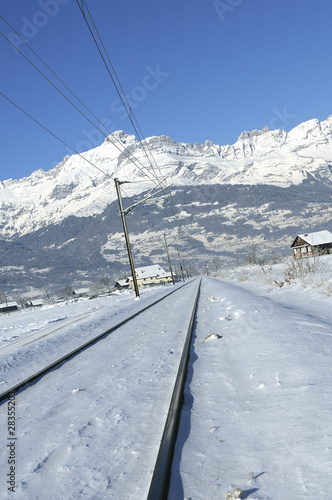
{"x": 125, "y": 230}
{"x": 169, "y": 260}
{"x": 182, "y": 273}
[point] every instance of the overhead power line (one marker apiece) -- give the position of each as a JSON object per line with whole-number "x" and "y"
{"x": 63, "y": 142}
{"x": 158, "y": 182}
{"x": 121, "y": 93}
{"x": 124, "y": 151}
{"x": 54, "y": 135}
{"x": 116, "y": 82}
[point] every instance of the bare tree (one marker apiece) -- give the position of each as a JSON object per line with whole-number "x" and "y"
{"x": 68, "y": 291}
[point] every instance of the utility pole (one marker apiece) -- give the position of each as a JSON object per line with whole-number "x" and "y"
{"x": 169, "y": 260}
{"x": 181, "y": 266}
{"x": 125, "y": 230}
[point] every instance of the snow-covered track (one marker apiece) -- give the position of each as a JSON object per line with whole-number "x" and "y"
{"x": 59, "y": 361}
{"x": 36, "y": 336}
{"x": 256, "y": 413}
{"x": 162, "y": 471}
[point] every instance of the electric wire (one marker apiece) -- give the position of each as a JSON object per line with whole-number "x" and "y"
{"x": 128, "y": 156}
{"x": 114, "y": 78}
{"x": 76, "y": 97}
{"x": 61, "y": 81}
{"x": 131, "y": 113}
{"x": 54, "y": 135}
{"x": 50, "y": 69}
{"x": 121, "y": 94}
{"x": 58, "y": 138}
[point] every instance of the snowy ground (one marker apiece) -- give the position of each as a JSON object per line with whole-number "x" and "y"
{"x": 30, "y": 340}
{"x": 311, "y": 274}
{"x": 258, "y": 401}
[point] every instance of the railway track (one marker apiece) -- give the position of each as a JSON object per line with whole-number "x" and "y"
{"x": 97, "y": 427}
{"x": 163, "y": 459}
{"x": 162, "y": 471}
{"x": 57, "y": 362}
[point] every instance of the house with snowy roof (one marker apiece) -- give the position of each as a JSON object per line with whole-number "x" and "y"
{"x": 146, "y": 276}
{"x": 122, "y": 284}
{"x": 8, "y": 307}
{"x": 34, "y": 303}
{"x": 312, "y": 244}
{"x": 81, "y": 292}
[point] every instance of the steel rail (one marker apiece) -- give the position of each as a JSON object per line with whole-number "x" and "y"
{"x": 56, "y": 364}
{"x": 162, "y": 471}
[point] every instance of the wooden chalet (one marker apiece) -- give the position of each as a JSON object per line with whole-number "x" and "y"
{"x": 122, "y": 284}
{"x": 312, "y": 244}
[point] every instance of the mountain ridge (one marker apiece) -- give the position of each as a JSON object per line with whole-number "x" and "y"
{"x": 63, "y": 226}
{"x": 75, "y": 187}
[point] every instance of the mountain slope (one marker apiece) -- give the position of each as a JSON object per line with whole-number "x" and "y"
{"x": 264, "y": 189}
{"x": 75, "y": 187}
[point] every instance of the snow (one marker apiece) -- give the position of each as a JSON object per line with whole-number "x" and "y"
{"x": 150, "y": 272}
{"x": 258, "y": 399}
{"x": 257, "y": 406}
{"x": 294, "y": 275}
{"x": 8, "y": 304}
{"x": 317, "y": 238}
{"x": 75, "y": 187}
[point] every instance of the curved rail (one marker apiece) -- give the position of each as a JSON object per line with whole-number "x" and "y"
{"x": 56, "y": 364}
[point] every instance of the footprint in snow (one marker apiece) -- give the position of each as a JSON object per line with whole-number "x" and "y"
{"x": 212, "y": 336}
{"x": 225, "y": 318}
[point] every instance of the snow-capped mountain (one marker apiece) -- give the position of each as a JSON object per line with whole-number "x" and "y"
{"x": 77, "y": 187}
{"x": 263, "y": 189}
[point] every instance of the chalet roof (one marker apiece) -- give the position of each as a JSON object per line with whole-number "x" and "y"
{"x": 150, "y": 272}
{"x": 314, "y": 239}
{"x": 36, "y": 302}
{"x": 81, "y": 291}
{"x": 122, "y": 282}
{"x": 4, "y": 305}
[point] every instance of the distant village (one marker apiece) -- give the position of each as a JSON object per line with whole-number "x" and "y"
{"x": 147, "y": 276}
{"x": 306, "y": 245}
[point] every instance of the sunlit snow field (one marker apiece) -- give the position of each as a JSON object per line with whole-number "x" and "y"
{"x": 258, "y": 401}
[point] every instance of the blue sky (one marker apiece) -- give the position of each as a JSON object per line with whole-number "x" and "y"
{"x": 193, "y": 70}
